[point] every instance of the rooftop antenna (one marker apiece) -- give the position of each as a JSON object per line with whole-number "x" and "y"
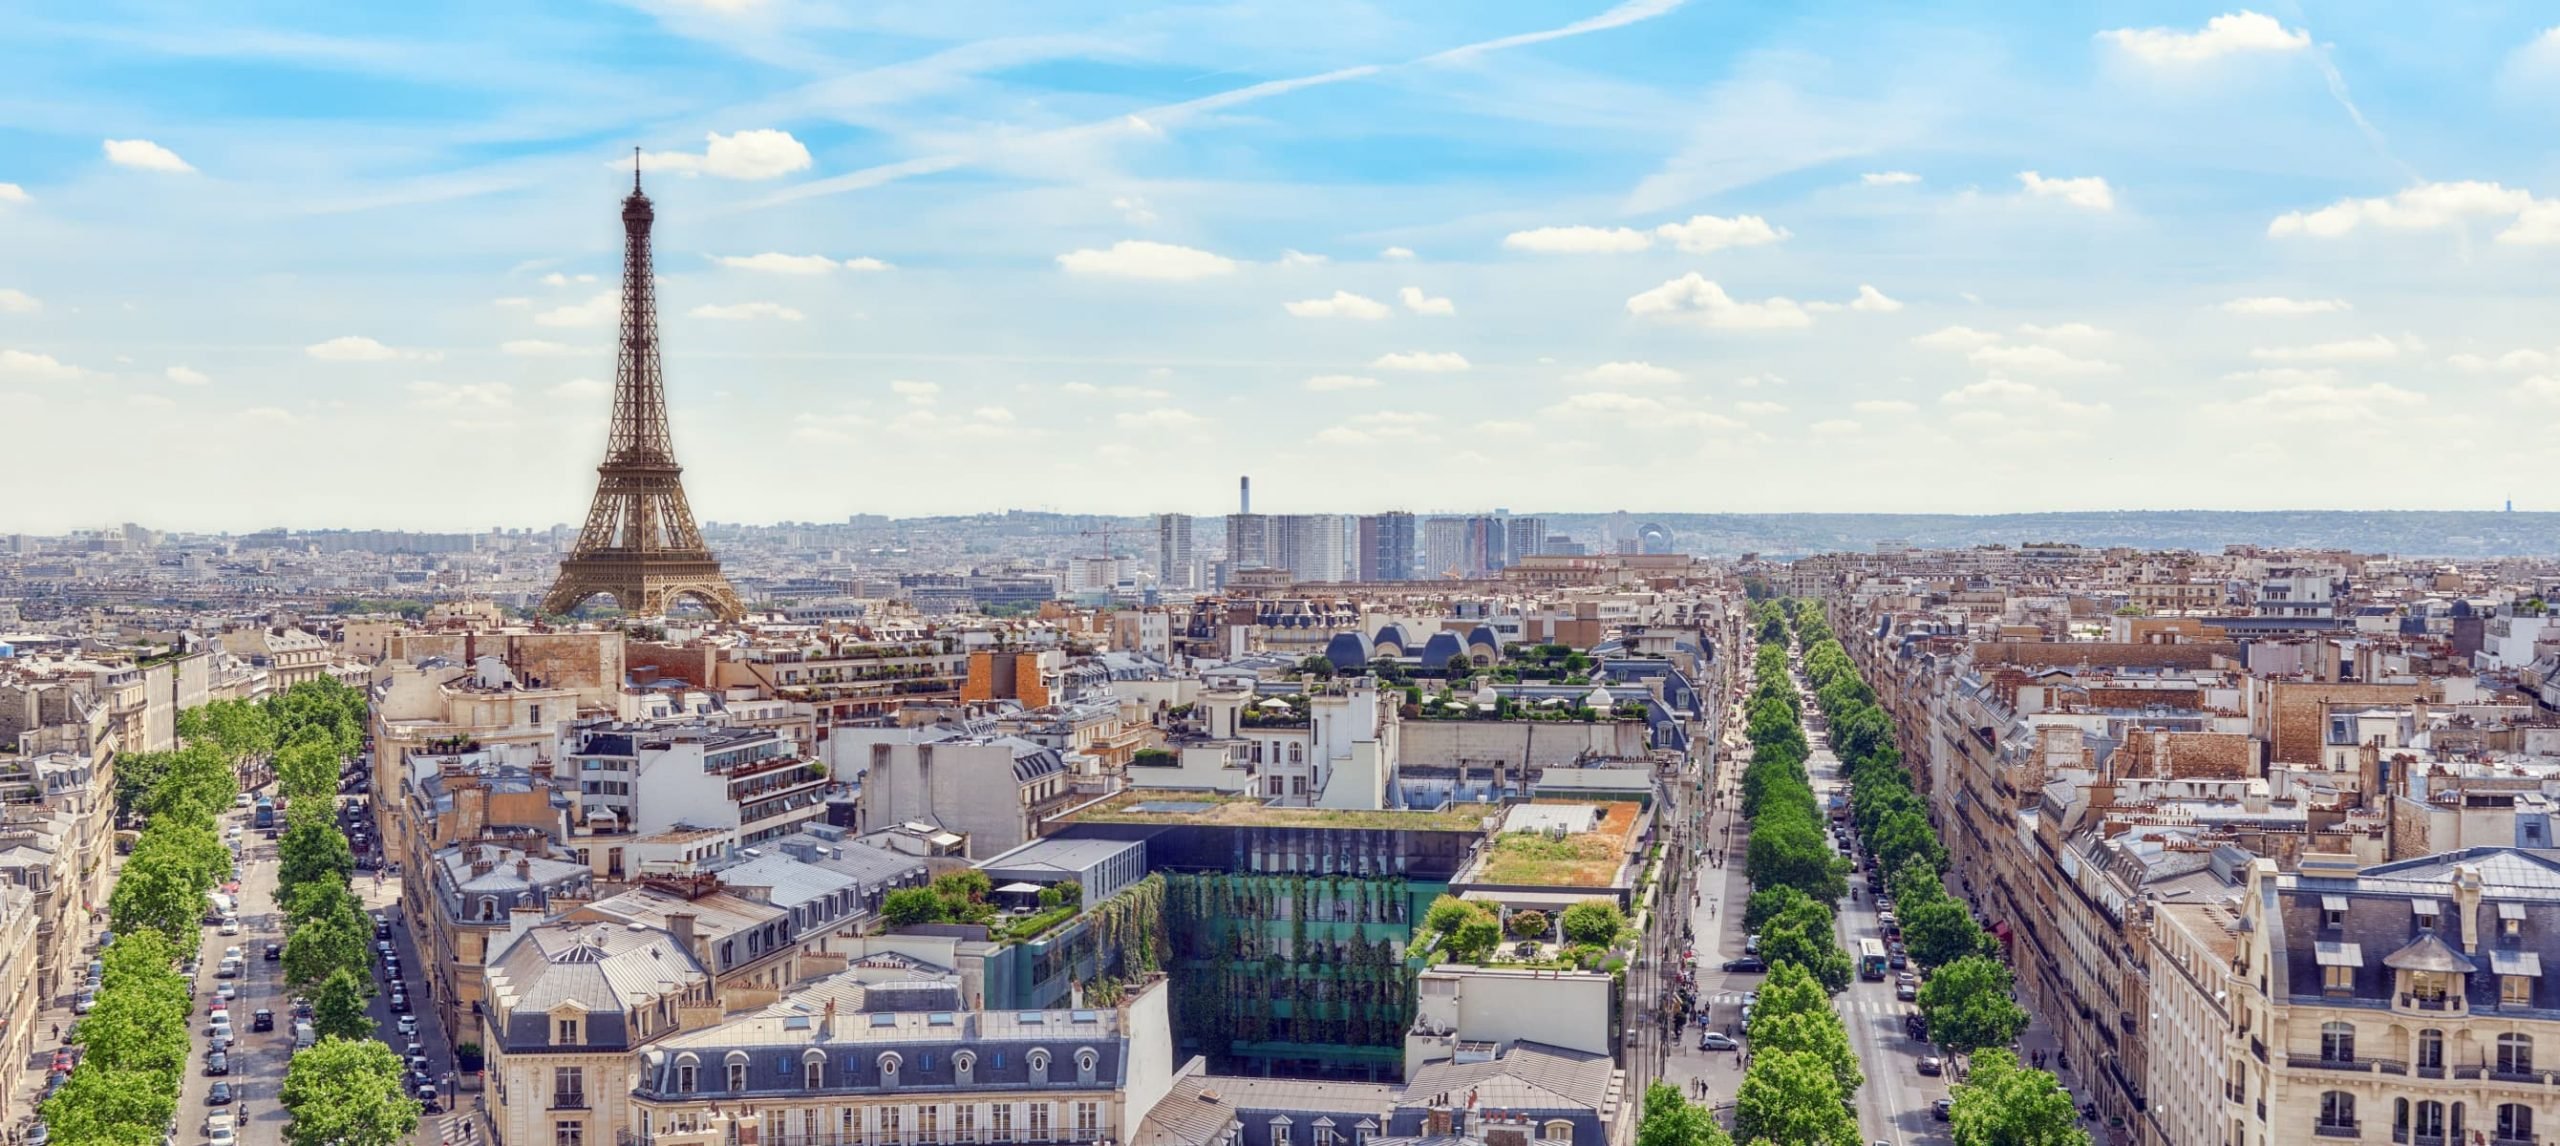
{"x": 635, "y": 170}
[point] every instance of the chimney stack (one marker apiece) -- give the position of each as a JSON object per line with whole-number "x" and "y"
{"x": 524, "y": 870}
{"x": 680, "y": 924}
{"x": 1244, "y": 494}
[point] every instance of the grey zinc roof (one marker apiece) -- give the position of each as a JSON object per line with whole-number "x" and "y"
{"x": 2428, "y": 953}
{"x": 1195, "y": 1113}
{"x": 789, "y": 881}
{"x": 603, "y": 968}
{"x": 1533, "y": 1076}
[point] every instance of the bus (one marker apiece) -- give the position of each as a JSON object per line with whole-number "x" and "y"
{"x": 1871, "y": 958}
{"x": 265, "y": 814}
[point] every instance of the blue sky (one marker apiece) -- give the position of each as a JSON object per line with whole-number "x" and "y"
{"x": 352, "y": 265}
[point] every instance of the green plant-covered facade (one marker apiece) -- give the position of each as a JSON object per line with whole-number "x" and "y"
{"x": 1297, "y": 975}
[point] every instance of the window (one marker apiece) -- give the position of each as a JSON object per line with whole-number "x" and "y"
{"x": 2333, "y": 917}
{"x": 569, "y": 1085}
{"x": 964, "y": 1068}
{"x": 889, "y": 1064}
{"x": 964, "y": 1121}
{"x": 1086, "y": 1061}
{"x": 1038, "y": 1061}
{"x": 685, "y": 1077}
{"x": 2337, "y": 1042}
{"x": 2337, "y": 1110}
{"x": 1000, "y": 1121}
{"x": 891, "y": 1125}
{"x": 1089, "y": 1120}
{"x": 2430, "y": 1119}
{"x": 929, "y": 1121}
{"x": 2431, "y": 1048}
{"x": 488, "y": 908}
{"x": 2515, "y": 990}
{"x": 813, "y": 1074}
{"x": 2515, "y": 1122}
{"x": 1040, "y": 1122}
{"x": 2338, "y": 979}
{"x": 2511, "y": 928}
{"x": 568, "y": 1134}
{"x": 533, "y": 714}
{"x": 1556, "y": 1130}
{"x": 565, "y": 1031}
{"x": 737, "y": 1076}
{"x": 2515, "y": 1054}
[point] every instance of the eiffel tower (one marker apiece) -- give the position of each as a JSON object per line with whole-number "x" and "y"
{"x": 640, "y": 544}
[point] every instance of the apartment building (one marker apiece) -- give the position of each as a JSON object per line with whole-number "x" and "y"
{"x": 994, "y": 789}
{"x": 570, "y": 1006}
{"x": 653, "y": 778}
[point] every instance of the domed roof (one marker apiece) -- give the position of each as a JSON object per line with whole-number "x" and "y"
{"x": 1390, "y": 634}
{"x": 1349, "y": 652}
{"x": 1483, "y": 636}
{"x": 1442, "y": 648}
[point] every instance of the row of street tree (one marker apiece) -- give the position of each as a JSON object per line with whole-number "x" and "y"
{"x": 1966, "y": 996}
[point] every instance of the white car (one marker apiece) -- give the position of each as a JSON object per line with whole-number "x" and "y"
{"x": 226, "y": 990}
{"x": 231, "y": 925}
{"x": 232, "y": 953}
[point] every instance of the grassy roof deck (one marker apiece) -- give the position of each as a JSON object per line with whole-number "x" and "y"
{"x": 1249, "y": 811}
{"x": 1584, "y": 859}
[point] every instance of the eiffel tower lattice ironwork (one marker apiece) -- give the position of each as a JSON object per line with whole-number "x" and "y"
{"x": 640, "y": 544}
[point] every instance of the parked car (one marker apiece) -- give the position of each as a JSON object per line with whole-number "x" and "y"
{"x": 409, "y": 1025}
{"x": 1751, "y": 944}
{"x": 218, "y": 1063}
{"x": 1906, "y": 992}
{"x": 220, "y": 1095}
{"x": 381, "y": 927}
{"x": 1943, "y": 1109}
{"x": 427, "y": 1099}
{"x": 399, "y": 1000}
{"x": 37, "y": 1135}
{"x": 263, "y": 1020}
{"x": 87, "y": 1002}
{"x": 1932, "y": 1065}
{"x": 1897, "y": 960}
{"x": 1747, "y": 965}
{"x": 231, "y": 925}
{"x": 1716, "y": 1041}
{"x": 1907, "y": 977}
{"x": 229, "y": 969}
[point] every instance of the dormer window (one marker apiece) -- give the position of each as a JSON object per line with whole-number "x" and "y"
{"x": 564, "y": 1032}
{"x": 2511, "y": 921}
{"x": 2333, "y": 911}
{"x": 2426, "y": 912}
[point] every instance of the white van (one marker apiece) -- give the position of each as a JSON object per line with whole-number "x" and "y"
{"x": 302, "y": 1037}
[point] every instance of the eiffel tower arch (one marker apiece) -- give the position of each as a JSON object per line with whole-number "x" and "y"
{"x": 640, "y": 545}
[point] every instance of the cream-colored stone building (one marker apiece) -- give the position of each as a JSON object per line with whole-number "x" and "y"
{"x": 568, "y": 1006}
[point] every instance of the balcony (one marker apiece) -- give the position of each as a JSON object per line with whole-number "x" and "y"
{"x": 2432, "y": 1004}
{"x": 570, "y": 1100}
{"x": 2350, "y": 1130}
{"x": 2515, "y": 1142}
{"x": 2311, "y": 1062}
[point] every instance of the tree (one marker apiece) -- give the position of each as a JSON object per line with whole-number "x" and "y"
{"x": 1766, "y": 904}
{"x": 909, "y": 906}
{"x": 1802, "y": 936}
{"x": 312, "y": 850}
{"x": 1670, "y": 1119}
{"x": 337, "y": 1008}
{"x": 1446, "y": 914}
{"x": 1940, "y": 931}
{"x": 1968, "y": 1006}
{"x": 158, "y": 899}
{"x": 1475, "y": 939}
{"x": 112, "y": 1108}
{"x": 347, "y": 1092}
{"x": 2004, "y": 1104}
{"x": 1319, "y": 667}
{"x": 1531, "y": 924}
{"x": 332, "y": 936}
{"x": 1791, "y": 851}
{"x": 1793, "y": 1098}
{"x": 1596, "y": 922}
{"x": 1819, "y": 1034}
{"x": 1903, "y": 837}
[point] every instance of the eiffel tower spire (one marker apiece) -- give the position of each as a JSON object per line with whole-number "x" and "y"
{"x": 640, "y": 544}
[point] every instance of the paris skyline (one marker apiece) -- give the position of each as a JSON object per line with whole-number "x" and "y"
{"x": 357, "y": 269}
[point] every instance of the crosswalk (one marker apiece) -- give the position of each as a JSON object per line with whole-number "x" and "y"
{"x": 1855, "y": 1006}
{"x": 455, "y": 1129}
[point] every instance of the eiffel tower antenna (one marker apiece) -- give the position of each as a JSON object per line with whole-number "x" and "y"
{"x": 640, "y": 544}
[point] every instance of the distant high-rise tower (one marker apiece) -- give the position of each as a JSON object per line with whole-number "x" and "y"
{"x": 1309, "y": 546}
{"x": 640, "y": 544}
{"x": 1528, "y": 538}
{"x": 1385, "y": 547}
{"x": 1444, "y": 548}
{"x": 1248, "y": 541}
{"x": 1173, "y": 550}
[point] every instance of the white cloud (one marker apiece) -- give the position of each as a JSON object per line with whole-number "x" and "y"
{"x": 1692, "y": 298}
{"x": 25, "y": 364}
{"x": 1422, "y": 361}
{"x": 1835, "y": 427}
{"x": 465, "y": 397}
{"x": 2088, "y": 191}
{"x": 1997, "y": 393}
{"x": 916, "y": 393}
{"x": 1707, "y": 234}
{"x": 2063, "y": 332}
{"x": 2537, "y": 225}
{"x": 1380, "y": 426}
{"x": 1869, "y": 299}
{"x": 1638, "y": 411}
{"x": 185, "y": 376}
{"x": 142, "y": 154}
{"x": 1505, "y": 428}
{"x": 556, "y": 278}
{"x": 1955, "y": 338}
{"x": 1884, "y": 408}
{"x": 1759, "y": 409}
{"x": 2424, "y": 207}
{"x": 1753, "y": 380}
{"x": 1124, "y": 393}
{"x": 2280, "y": 305}
{"x": 1578, "y": 240}
{"x": 355, "y": 348}
{"x": 12, "y": 193}
{"x": 599, "y": 310}
{"x": 1397, "y": 253}
{"x": 2367, "y": 349}
{"x": 13, "y": 301}
{"x": 1161, "y": 418}
{"x": 1322, "y": 382}
{"x": 2225, "y": 35}
{"x": 777, "y": 263}
{"x": 1343, "y": 304}
{"x": 1888, "y": 178}
{"x": 2539, "y": 388}
{"x": 761, "y": 153}
{"x": 1420, "y": 303}
{"x": 866, "y": 263}
{"x": 2283, "y": 375}
{"x": 2322, "y": 403}
{"x": 2040, "y": 359}
{"x": 581, "y": 389}
{"x": 2516, "y": 361}
{"x": 1626, "y": 374}
{"x": 1140, "y": 259}
{"x": 1301, "y": 259}
{"x": 1134, "y": 209}
{"x": 539, "y": 348}
{"x": 742, "y": 311}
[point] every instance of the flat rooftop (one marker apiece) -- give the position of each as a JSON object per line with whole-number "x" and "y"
{"x": 1162, "y": 806}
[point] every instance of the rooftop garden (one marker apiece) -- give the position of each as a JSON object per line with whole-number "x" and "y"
{"x": 1583, "y": 937}
{"x": 1583, "y": 859}
{"x": 1213, "y": 809}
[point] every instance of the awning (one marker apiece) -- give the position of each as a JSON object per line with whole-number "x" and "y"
{"x": 2333, "y": 903}
{"x": 2516, "y": 963}
{"x": 2511, "y": 911}
{"x": 2340, "y": 954}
